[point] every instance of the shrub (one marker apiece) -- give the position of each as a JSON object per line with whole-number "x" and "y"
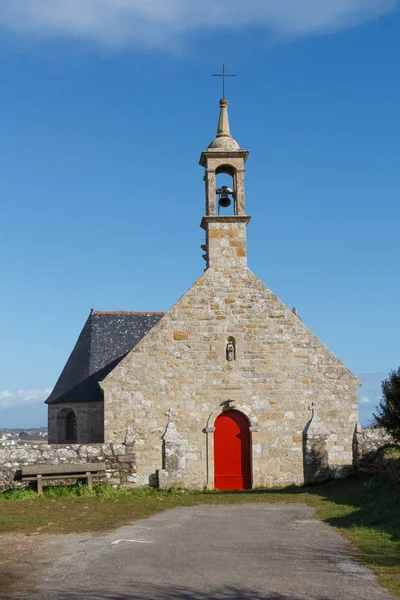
{"x": 391, "y": 463}
{"x": 388, "y": 411}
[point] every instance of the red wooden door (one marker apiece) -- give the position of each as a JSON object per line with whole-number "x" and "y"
{"x": 232, "y": 469}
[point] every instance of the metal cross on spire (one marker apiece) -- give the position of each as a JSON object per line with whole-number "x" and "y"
{"x": 223, "y": 75}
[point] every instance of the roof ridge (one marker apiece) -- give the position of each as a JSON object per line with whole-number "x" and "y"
{"x": 90, "y": 342}
{"x": 125, "y": 312}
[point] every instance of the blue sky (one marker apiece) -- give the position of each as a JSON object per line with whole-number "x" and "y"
{"x": 105, "y": 109}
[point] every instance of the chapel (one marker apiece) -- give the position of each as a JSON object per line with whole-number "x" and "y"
{"x": 229, "y": 389}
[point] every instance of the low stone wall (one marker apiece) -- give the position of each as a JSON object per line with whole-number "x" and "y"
{"x": 367, "y": 449}
{"x": 120, "y": 461}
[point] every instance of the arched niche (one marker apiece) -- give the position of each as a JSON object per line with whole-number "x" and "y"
{"x": 226, "y": 170}
{"x": 67, "y": 426}
{"x": 230, "y": 349}
{"x": 225, "y": 176}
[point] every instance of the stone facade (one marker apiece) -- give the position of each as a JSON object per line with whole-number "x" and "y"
{"x": 228, "y": 344}
{"x": 280, "y": 369}
{"x": 275, "y": 370}
{"x": 119, "y": 458}
{"x": 89, "y": 421}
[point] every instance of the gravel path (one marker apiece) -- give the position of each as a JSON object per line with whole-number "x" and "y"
{"x": 242, "y": 552}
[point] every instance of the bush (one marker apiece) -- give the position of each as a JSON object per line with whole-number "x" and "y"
{"x": 391, "y": 464}
{"x": 388, "y": 412}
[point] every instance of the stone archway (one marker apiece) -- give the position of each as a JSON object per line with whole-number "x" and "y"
{"x": 67, "y": 426}
{"x": 70, "y": 427}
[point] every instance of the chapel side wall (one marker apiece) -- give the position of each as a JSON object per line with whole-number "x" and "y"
{"x": 52, "y": 423}
{"x": 95, "y": 422}
{"x": 89, "y": 417}
{"x": 281, "y": 368}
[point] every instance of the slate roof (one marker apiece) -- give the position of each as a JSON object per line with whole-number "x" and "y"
{"x": 103, "y": 342}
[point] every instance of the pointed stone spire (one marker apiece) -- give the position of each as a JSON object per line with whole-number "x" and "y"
{"x": 224, "y": 141}
{"x": 223, "y": 123}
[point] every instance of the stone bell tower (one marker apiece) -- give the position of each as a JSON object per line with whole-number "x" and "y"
{"x": 225, "y": 233}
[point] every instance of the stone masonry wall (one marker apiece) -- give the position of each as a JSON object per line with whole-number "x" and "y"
{"x": 89, "y": 419}
{"x": 367, "y": 443}
{"x": 280, "y": 369}
{"x": 119, "y": 458}
{"x": 226, "y": 241}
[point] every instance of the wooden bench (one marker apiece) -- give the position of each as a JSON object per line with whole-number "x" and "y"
{"x": 39, "y": 473}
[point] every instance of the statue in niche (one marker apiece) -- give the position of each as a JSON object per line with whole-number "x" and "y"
{"x": 230, "y": 351}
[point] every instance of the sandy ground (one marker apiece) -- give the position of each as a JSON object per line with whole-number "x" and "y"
{"x": 25, "y": 557}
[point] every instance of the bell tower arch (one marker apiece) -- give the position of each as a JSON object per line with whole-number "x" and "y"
{"x": 225, "y": 233}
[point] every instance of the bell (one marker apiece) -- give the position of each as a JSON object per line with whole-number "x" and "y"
{"x": 224, "y": 200}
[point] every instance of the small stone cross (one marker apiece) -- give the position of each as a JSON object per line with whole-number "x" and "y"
{"x": 314, "y": 409}
{"x": 169, "y": 413}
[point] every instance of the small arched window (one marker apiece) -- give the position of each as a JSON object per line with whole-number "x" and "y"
{"x": 70, "y": 427}
{"x": 225, "y": 190}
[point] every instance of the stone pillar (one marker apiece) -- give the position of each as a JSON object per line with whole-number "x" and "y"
{"x": 124, "y": 456}
{"x": 315, "y": 450}
{"x": 211, "y": 206}
{"x": 239, "y": 191}
{"x": 172, "y": 473}
{"x": 209, "y": 431}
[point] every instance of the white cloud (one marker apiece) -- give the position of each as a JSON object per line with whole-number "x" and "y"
{"x": 163, "y": 23}
{"x": 23, "y": 398}
{"x": 364, "y": 400}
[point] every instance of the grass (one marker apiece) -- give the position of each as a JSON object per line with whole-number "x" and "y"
{"x": 393, "y": 451}
{"x": 366, "y": 511}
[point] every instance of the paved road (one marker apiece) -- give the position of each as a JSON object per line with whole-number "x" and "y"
{"x": 255, "y": 551}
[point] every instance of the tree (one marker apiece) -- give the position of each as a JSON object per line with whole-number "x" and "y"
{"x": 388, "y": 411}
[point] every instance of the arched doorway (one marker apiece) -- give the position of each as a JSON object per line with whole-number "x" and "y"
{"x": 67, "y": 426}
{"x": 70, "y": 427}
{"x": 232, "y": 458}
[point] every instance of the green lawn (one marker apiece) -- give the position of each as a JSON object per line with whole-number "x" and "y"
{"x": 365, "y": 511}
